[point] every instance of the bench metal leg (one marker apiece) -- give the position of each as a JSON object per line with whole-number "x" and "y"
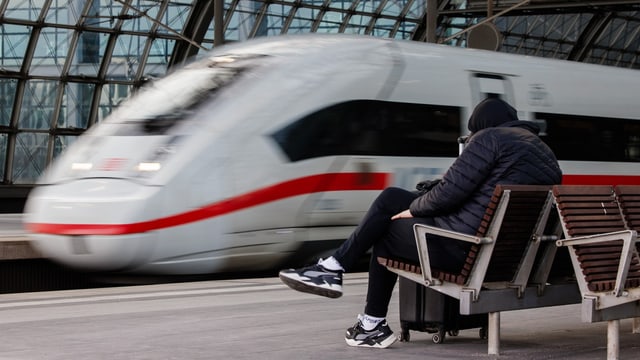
{"x": 494, "y": 333}
{"x": 613, "y": 339}
{"x": 635, "y": 326}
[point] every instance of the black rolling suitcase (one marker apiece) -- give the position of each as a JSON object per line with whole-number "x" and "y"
{"x": 426, "y": 310}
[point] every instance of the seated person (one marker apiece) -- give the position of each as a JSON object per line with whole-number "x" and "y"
{"x": 500, "y": 150}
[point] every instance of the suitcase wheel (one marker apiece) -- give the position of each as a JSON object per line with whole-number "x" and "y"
{"x": 439, "y": 337}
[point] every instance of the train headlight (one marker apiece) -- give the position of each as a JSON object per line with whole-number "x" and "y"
{"x": 148, "y": 166}
{"x": 81, "y": 166}
{"x": 153, "y": 162}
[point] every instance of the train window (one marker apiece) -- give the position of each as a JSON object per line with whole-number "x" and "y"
{"x": 376, "y": 128}
{"x": 584, "y": 138}
{"x": 162, "y": 104}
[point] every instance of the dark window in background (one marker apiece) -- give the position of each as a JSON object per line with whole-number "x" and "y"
{"x": 584, "y": 138}
{"x": 370, "y": 127}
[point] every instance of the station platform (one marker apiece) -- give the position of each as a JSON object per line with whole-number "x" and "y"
{"x": 14, "y": 243}
{"x": 263, "y": 319}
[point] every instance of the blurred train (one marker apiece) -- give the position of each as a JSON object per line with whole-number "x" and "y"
{"x": 271, "y": 150}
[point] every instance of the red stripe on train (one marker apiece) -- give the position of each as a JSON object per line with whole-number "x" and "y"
{"x": 302, "y": 186}
{"x": 600, "y": 180}
{"x": 306, "y": 185}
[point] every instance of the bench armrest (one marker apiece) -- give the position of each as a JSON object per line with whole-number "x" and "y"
{"x": 420, "y": 230}
{"x": 597, "y": 238}
{"x": 628, "y": 238}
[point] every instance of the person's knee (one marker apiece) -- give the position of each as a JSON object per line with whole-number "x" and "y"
{"x": 390, "y": 192}
{"x": 394, "y": 197}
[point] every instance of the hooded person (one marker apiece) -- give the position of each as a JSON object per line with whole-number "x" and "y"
{"x": 491, "y": 112}
{"x": 500, "y": 150}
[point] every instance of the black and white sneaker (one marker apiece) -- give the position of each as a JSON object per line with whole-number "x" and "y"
{"x": 314, "y": 279}
{"x": 380, "y": 337}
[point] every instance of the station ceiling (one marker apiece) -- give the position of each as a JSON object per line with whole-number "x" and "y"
{"x": 601, "y": 32}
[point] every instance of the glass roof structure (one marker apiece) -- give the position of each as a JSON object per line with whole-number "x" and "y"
{"x": 66, "y": 64}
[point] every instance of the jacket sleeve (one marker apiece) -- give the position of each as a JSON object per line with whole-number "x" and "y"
{"x": 461, "y": 180}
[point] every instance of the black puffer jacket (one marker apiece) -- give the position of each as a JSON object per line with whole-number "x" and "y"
{"x": 510, "y": 153}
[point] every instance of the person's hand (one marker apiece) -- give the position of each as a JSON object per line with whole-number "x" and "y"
{"x": 403, "y": 215}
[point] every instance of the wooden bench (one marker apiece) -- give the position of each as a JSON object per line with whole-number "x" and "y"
{"x": 603, "y": 252}
{"x": 499, "y": 273}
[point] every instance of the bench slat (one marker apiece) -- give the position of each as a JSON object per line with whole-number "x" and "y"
{"x": 629, "y": 198}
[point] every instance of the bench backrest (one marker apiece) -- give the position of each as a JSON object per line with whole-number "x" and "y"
{"x": 514, "y": 234}
{"x": 592, "y": 210}
{"x": 629, "y": 200}
{"x": 588, "y": 210}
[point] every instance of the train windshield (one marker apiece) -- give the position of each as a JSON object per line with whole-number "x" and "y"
{"x": 165, "y": 102}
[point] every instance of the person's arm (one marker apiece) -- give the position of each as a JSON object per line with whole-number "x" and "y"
{"x": 464, "y": 176}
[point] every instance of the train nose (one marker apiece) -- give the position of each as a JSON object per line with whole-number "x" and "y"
{"x": 90, "y": 224}
{"x": 96, "y": 252}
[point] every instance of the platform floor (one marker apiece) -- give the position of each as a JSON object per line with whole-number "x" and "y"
{"x": 14, "y": 244}
{"x": 262, "y": 319}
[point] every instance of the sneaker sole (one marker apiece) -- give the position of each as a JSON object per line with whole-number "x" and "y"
{"x": 383, "y": 345}
{"x": 310, "y": 289}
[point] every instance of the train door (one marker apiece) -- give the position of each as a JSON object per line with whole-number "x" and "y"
{"x": 486, "y": 85}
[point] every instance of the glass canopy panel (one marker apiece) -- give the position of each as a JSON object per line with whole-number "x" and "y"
{"x": 331, "y": 22}
{"x": 24, "y": 9}
{"x": 368, "y": 6}
{"x": 126, "y": 57}
{"x": 243, "y": 20}
{"x": 30, "y": 157}
{"x": 156, "y": 64}
{"x": 275, "y": 18}
{"x": 51, "y": 51}
{"x": 383, "y": 27}
{"x": 61, "y": 143}
{"x": 303, "y": 20}
{"x": 110, "y": 97}
{"x": 38, "y": 104}
{"x": 65, "y": 12}
{"x": 340, "y": 5}
{"x": 232, "y": 33}
{"x": 416, "y": 9}
{"x": 76, "y": 106}
{"x": 393, "y": 7}
{"x": 357, "y": 24}
{"x": 88, "y": 54}
{"x": 13, "y": 44}
{"x": 142, "y": 16}
{"x": 103, "y": 14}
{"x": 7, "y": 96}
{"x": 176, "y": 17}
{"x": 406, "y": 30}
{"x": 628, "y": 32}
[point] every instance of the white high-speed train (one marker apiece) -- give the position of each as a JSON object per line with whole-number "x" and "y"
{"x": 272, "y": 150}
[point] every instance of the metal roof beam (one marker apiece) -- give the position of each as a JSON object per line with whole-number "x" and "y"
{"x": 476, "y": 8}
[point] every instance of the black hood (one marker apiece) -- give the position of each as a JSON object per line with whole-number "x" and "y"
{"x": 491, "y": 112}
